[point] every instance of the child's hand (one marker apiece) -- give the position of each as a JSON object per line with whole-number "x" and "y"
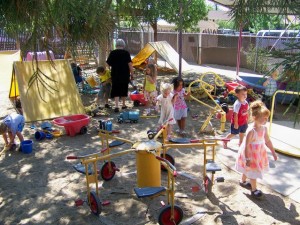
{"x": 248, "y": 162}
{"x": 236, "y": 126}
{"x": 188, "y": 93}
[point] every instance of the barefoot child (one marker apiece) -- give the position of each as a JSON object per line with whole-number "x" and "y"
{"x": 105, "y": 80}
{"x": 11, "y": 126}
{"x": 239, "y": 120}
{"x": 166, "y": 100}
{"x": 180, "y": 107}
{"x": 252, "y": 160}
{"x": 150, "y": 92}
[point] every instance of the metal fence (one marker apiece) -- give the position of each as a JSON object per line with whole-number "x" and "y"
{"x": 198, "y": 48}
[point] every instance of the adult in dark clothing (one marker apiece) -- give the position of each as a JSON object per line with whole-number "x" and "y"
{"x": 121, "y": 73}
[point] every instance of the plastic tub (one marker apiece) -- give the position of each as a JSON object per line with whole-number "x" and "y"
{"x": 74, "y": 124}
{"x": 26, "y": 146}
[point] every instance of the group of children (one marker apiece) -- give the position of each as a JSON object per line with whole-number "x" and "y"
{"x": 252, "y": 160}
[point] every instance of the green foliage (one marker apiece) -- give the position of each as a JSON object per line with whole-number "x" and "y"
{"x": 150, "y": 11}
{"x": 265, "y": 22}
{"x": 224, "y": 24}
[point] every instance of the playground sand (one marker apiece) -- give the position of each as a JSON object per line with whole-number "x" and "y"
{"x": 41, "y": 187}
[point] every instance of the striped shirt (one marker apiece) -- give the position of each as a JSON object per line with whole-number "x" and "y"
{"x": 271, "y": 87}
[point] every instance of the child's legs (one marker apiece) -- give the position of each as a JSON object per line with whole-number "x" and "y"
{"x": 20, "y": 136}
{"x": 253, "y": 184}
{"x": 244, "y": 178}
{"x": 182, "y": 123}
{"x": 169, "y": 130}
{"x": 242, "y": 131}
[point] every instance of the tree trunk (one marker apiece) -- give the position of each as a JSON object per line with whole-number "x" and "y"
{"x": 154, "y": 27}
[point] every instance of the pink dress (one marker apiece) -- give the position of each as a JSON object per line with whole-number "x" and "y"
{"x": 258, "y": 154}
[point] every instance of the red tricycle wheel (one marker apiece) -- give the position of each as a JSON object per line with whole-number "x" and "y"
{"x": 108, "y": 171}
{"x": 169, "y": 158}
{"x": 164, "y": 217}
{"x": 95, "y": 204}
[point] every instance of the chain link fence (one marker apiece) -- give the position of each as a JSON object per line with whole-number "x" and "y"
{"x": 198, "y": 48}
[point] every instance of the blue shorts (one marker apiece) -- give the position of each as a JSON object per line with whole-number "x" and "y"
{"x": 242, "y": 129}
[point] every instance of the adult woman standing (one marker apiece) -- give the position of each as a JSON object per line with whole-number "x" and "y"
{"x": 121, "y": 72}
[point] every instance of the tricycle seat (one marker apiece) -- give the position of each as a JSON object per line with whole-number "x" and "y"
{"x": 211, "y": 166}
{"x": 148, "y": 191}
{"x": 115, "y": 143}
{"x": 81, "y": 168}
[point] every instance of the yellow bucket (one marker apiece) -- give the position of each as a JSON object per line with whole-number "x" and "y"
{"x": 91, "y": 81}
{"x": 148, "y": 170}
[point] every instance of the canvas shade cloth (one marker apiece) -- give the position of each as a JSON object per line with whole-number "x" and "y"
{"x": 165, "y": 50}
{"x": 63, "y": 102}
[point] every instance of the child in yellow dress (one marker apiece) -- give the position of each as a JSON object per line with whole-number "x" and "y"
{"x": 150, "y": 92}
{"x": 252, "y": 160}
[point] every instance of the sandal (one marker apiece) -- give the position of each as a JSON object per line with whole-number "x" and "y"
{"x": 124, "y": 107}
{"x": 116, "y": 110}
{"x": 256, "y": 194}
{"x": 245, "y": 184}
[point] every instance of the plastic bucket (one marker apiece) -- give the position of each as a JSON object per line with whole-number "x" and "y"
{"x": 91, "y": 81}
{"x": 39, "y": 135}
{"x": 26, "y": 146}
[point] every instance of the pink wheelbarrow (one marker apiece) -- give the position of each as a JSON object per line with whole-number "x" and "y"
{"x": 74, "y": 124}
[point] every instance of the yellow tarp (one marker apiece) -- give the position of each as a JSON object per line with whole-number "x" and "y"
{"x": 6, "y": 64}
{"x": 49, "y": 103}
{"x": 165, "y": 50}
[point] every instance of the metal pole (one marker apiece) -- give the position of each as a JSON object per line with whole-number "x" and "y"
{"x": 238, "y": 60}
{"x": 180, "y": 39}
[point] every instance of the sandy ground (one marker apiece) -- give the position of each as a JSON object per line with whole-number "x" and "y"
{"x": 41, "y": 187}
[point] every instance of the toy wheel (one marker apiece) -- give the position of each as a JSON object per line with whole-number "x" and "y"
{"x": 108, "y": 171}
{"x": 151, "y": 135}
{"x": 169, "y": 158}
{"x": 164, "y": 217}
{"x": 95, "y": 204}
{"x": 207, "y": 185}
{"x": 83, "y": 130}
{"x": 136, "y": 103}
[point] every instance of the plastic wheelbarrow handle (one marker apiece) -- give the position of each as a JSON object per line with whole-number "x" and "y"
{"x": 72, "y": 157}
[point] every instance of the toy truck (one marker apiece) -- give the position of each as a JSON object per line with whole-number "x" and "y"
{"x": 129, "y": 116}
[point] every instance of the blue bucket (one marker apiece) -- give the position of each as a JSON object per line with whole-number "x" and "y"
{"x": 26, "y": 146}
{"x": 39, "y": 135}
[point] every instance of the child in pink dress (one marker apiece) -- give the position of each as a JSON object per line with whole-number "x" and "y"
{"x": 180, "y": 107}
{"x": 252, "y": 160}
